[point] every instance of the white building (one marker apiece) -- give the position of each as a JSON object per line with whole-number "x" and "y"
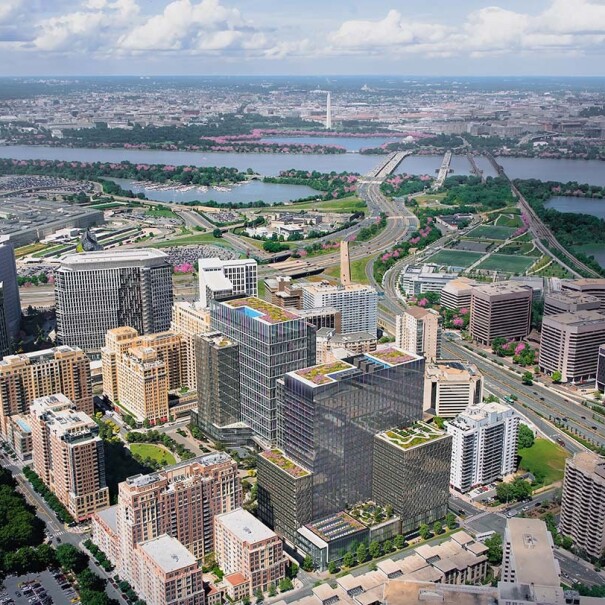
{"x": 358, "y": 304}
{"x": 419, "y": 279}
{"x": 222, "y": 278}
{"x": 484, "y": 445}
{"x": 418, "y": 330}
{"x": 450, "y": 387}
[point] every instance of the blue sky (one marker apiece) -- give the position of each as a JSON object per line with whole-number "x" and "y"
{"x": 441, "y": 37}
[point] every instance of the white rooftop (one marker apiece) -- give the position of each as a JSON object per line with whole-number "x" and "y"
{"x": 168, "y": 553}
{"x": 245, "y": 526}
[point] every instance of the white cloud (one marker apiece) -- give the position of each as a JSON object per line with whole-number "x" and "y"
{"x": 8, "y": 8}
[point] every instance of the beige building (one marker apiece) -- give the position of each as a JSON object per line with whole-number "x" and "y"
{"x": 569, "y": 301}
{"x": 281, "y": 292}
{"x": 501, "y": 309}
{"x": 189, "y": 320}
{"x": 583, "y": 502}
{"x": 418, "y": 330}
{"x": 594, "y": 287}
{"x": 19, "y": 435}
{"x": 456, "y": 294}
{"x": 166, "y": 573}
{"x": 244, "y": 545}
{"x": 180, "y": 501}
{"x": 69, "y": 456}
{"x": 26, "y": 377}
{"x": 570, "y": 344}
{"x": 451, "y": 386}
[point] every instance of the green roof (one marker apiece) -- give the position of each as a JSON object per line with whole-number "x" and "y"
{"x": 417, "y": 434}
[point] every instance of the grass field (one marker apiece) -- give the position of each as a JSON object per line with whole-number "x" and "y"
{"x": 160, "y": 211}
{"x": 358, "y": 271}
{"x": 30, "y": 248}
{"x": 507, "y": 220}
{"x": 155, "y": 452}
{"x": 545, "y": 460}
{"x": 348, "y": 204}
{"x": 454, "y": 258}
{"x": 491, "y": 232}
{"x": 190, "y": 240}
{"x": 507, "y": 263}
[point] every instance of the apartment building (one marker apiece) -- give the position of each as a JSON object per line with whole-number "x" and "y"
{"x": 272, "y": 341}
{"x": 501, "y": 309}
{"x": 583, "y": 503}
{"x": 570, "y": 344}
{"x": 593, "y": 287}
{"x": 450, "y": 386}
{"x": 244, "y": 545}
{"x": 68, "y": 455}
{"x": 282, "y": 292}
{"x": 98, "y": 291}
{"x": 181, "y": 501}
{"x": 29, "y": 376}
{"x": 418, "y": 330}
{"x": 219, "y": 279}
{"x": 569, "y": 301}
{"x": 484, "y": 445}
{"x": 358, "y": 304}
{"x": 456, "y": 294}
{"x": 10, "y": 288}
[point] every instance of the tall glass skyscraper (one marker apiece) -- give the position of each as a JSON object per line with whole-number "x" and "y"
{"x": 272, "y": 341}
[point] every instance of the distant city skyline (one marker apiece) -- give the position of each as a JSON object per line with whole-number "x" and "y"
{"x": 190, "y": 37}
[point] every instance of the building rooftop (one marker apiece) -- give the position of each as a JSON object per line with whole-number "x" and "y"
{"x": 335, "y": 527}
{"x": 84, "y": 259}
{"x": 574, "y": 296}
{"x": 451, "y": 370}
{"x": 392, "y": 356}
{"x": 262, "y": 310}
{"x": 475, "y": 415}
{"x": 217, "y": 340}
{"x": 217, "y": 263}
{"x": 283, "y": 462}
{"x": 584, "y": 281}
{"x": 326, "y": 286}
{"x": 502, "y": 288}
{"x": 459, "y": 284}
{"x": 323, "y": 373}
{"x": 590, "y": 463}
{"x": 415, "y": 435}
{"x": 168, "y": 553}
{"x": 351, "y": 338}
{"x": 245, "y": 526}
{"x": 109, "y": 516}
{"x": 577, "y": 319}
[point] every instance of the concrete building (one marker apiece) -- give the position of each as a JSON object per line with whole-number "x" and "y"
{"x": 30, "y": 376}
{"x": 594, "y": 287}
{"x": 570, "y": 344}
{"x": 601, "y": 369}
{"x": 221, "y": 279}
{"x": 272, "y": 341}
{"x": 569, "y": 301}
{"x": 411, "y": 473}
{"x": 456, "y": 294}
{"x": 5, "y": 339}
{"x": 19, "y": 435}
{"x": 10, "y": 287}
{"x": 324, "y": 317}
{"x": 416, "y": 280}
{"x": 98, "y": 291}
{"x": 68, "y": 455}
{"x": 501, "y": 309}
{"x": 451, "y": 386}
{"x": 358, "y": 304}
{"x": 583, "y": 503}
{"x": 281, "y": 292}
{"x": 484, "y": 446}
{"x": 181, "y": 501}
{"x": 189, "y": 320}
{"x": 530, "y": 572}
{"x": 418, "y": 330}
{"x": 244, "y": 545}
{"x": 218, "y": 390}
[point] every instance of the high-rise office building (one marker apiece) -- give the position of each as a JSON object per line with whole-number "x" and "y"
{"x": 245, "y": 546}
{"x": 570, "y": 344}
{"x": 181, "y": 501}
{"x": 358, "y": 304}
{"x": 5, "y": 339}
{"x": 450, "y": 386}
{"x": 10, "y": 287}
{"x": 583, "y": 503}
{"x": 484, "y": 445}
{"x": 221, "y": 279}
{"x": 218, "y": 390}
{"x": 98, "y": 291}
{"x": 601, "y": 369}
{"x": 69, "y": 455}
{"x": 411, "y": 473}
{"x": 419, "y": 330}
{"x": 501, "y": 309}
{"x": 329, "y": 415}
{"x": 594, "y": 287}
{"x": 272, "y": 341}
{"x": 29, "y": 376}
{"x": 189, "y": 320}
{"x": 569, "y": 301}
{"x": 456, "y": 294}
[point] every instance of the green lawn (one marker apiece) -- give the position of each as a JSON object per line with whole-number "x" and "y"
{"x": 189, "y": 240}
{"x": 507, "y": 263}
{"x": 454, "y": 258}
{"x": 491, "y": 232}
{"x": 261, "y": 288}
{"x": 545, "y": 460}
{"x": 358, "y": 271}
{"x": 508, "y": 220}
{"x": 347, "y": 204}
{"x": 155, "y": 452}
{"x": 160, "y": 211}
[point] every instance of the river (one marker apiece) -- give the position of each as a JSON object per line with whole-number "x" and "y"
{"x": 352, "y": 144}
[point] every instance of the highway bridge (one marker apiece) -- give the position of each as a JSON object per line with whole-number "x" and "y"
{"x": 444, "y": 170}
{"x": 474, "y": 167}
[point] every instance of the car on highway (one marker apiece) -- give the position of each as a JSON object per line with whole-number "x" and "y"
{"x": 594, "y": 428}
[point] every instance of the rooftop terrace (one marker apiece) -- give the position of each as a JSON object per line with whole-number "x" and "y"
{"x": 417, "y": 434}
{"x": 261, "y": 309}
{"x": 284, "y": 463}
{"x": 322, "y": 374}
{"x": 392, "y": 356}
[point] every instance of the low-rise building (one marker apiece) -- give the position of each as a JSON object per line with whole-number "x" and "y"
{"x": 416, "y": 280}
{"x": 450, "y": 386}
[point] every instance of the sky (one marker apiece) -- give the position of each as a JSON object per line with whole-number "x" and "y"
{"x": 306, "y": 37}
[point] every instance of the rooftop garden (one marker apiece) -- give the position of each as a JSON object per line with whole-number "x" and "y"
{"x": 277, "y": 458}
{"x": 391, "y": 356}
{"x": 270, "y": 313}
{"x": 321, "y": 374}
{"x": 370, "y": 513}
{"x": 337, "y": 526}
{"x": 416, "y": 434}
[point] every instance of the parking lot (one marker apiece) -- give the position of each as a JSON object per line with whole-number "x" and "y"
{"x": 44, "y": 588}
